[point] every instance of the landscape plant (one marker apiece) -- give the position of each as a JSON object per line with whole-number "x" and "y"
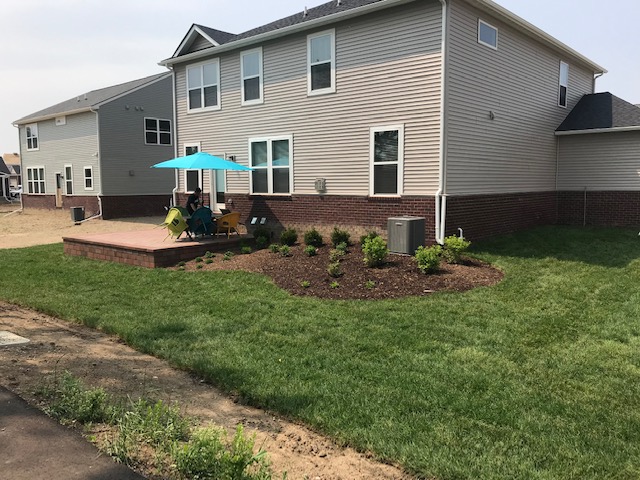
{"x": 368, "y": 236}
{"x": 285, "y": 250}
{"x": 310, "y": 251}
{"x": 428, "y": 258}
{"x": 334, "y": 269}
{"x": 375, "y": 251}
{"x": 274, "y": 248}
{"x": 313, "y": 238}
{"x": 339, "y": 236}
{"x": 289, "y": 237}
{"x": 454, "y": 248}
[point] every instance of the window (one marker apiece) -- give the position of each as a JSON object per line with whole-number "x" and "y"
{"x": 564, "y": 84}
{"x": 157, "y": 131}
{"x": 35, "y": 180}
{"x": 32, "y": 136}
{"x": 387, "y": 152}
{"x": 487, "y": 35}
{"x": 68, "y": 179}
{"x": 192, "y": 177}
{"x": 321, "y": 71}
{"x": 203, "y": 86}
{"x": 88, "y": 178}
{"x": 271, "y": 159}
{"x": 251, "y": 68}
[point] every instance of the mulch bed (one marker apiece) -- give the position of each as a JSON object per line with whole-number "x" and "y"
{"x": 399, "y": 277}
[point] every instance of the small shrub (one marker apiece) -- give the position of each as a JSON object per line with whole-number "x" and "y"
{"x": 334, "y": 269}
{"x": 310, "y": 251}
{"x": 336, "y": 255}
{"x": 274, "y": 248}
{"x": 370, "y": 284}
{"x": 181, "y": 268}
{"x": 285, "y": 250}
{"x": 208, "y": 260}
{"x": 342, "y": 246}
{"x": 334, "y": 284}
{"x": 339, "y": 236}
{"x": 199, "y": 266}
{"x": 454, "y": 248}
{"x": 305, "y": 284}
{"x": 428, "y": 258}
{"x": 375, "y": 251}
{"x": 182, "y": 264}
{"x": 369, "y": 235}
{"x": 313, "y": 238}
{"x": 198, "y": 259}
{"x": 261, "y": 232}
{"x": 228, "y": 255}
{"x": 245, "y": 250}
{"x": 261, "y": 242}
{"x": 209, "y": 255}
{"x": 289, "y": 237}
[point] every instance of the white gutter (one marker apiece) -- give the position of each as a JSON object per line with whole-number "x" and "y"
{"x": 440, "y": 197}
{"x": 281, "y": 32}
{"x": 99, "y": 214}
{"x": 51, "y": 115}
{"x": 598, "y": 130}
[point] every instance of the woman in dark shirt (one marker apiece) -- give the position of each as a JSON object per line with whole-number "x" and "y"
{"x": 193, "y": 202}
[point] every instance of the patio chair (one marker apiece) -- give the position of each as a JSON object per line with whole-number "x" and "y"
{"x": 228, "y": 222}
{"x": 201, "y": 222}
{"x": 175, "y": 223}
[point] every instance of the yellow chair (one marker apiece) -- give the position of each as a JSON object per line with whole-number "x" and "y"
{"x": 228, "y": 222}
{"x": 175, "y": 223}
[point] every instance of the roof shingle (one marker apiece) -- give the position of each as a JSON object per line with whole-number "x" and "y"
{"x": 601, "y": 110}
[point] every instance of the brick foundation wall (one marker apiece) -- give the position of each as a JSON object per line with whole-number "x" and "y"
{"x": 603, "y": 208}
{"x": 482, "y": 216}
{"x": 134, "y": 206}
{"x": 48, "y": 202}
{"x": 355, "y": 214}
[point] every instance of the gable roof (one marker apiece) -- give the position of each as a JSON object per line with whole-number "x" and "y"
{"x": 601, "y": 112}
{"x": 336, "y": 10}
{"x": 90, "y": 100}
{"x": 211, "y": 35}
{"x": 4, "y": 171}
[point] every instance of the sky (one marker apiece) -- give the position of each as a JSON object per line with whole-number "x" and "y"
{"x": 51, "y": 51}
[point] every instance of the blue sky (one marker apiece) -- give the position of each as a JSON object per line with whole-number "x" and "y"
{"x": 53, "y": 51}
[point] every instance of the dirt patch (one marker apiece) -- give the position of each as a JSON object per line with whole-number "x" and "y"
{"x": 399, "y": 277}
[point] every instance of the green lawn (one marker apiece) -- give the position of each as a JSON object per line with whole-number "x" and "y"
{"x": 535, "y": 378}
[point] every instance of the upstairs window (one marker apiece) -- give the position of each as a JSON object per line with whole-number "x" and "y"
{"x": 35, "y": 180}
{"x": 387, "y": 152}
{"x": 157, "y": 131}
{"x": 272, "y": 161}
{"x": 321, "y": 71}
{"x": 203, "y": 86}
{"x": 563, "y": 84}
{"x": 32, "y": 136}
{"x": 251, "y": 70}
{"x": 487, "y": 34}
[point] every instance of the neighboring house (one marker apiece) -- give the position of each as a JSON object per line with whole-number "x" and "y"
{"x": 360, "y": 110}
{"x": 12, "y": 161}
{"x": 4, "y": 179}
{"x": 96, "y": 150}
{"x": 599, "y": 162}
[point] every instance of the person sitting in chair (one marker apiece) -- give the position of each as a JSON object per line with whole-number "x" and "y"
{"x": 193, "y": 202}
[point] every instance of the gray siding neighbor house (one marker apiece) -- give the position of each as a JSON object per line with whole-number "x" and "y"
{"x": 95, "y": 150}
{"x": 360, "y": 110}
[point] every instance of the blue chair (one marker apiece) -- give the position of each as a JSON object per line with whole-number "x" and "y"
{"x": 201, "y": 222}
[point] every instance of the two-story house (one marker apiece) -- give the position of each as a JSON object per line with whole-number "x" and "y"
{"x": 95, "y": 150}
{"x": 360, "y": 110}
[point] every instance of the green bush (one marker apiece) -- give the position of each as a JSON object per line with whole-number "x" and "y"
{"x": 375, "y": 251}
{"x": 428, "y": 258}
{"x": 198, "y": 259}
{"x": 289, "y": 237}
{"x": 369, "y": 235}
{"x": 339, "y": 236}
{"x": 209, "y": 255}
{"x": 334, "y": 269}
{"x": 274, "y": 248}
{"x": 245, "y": 250}
{"x": 454, "y": 248}
{"x": 336, "y": 255}
{"x": 261, "y": 232}
{"x": 342, "y": 246}
{"x": 334, "y": 285}
{"x": 228, "y": 255}
{"x": 285, "y": 250}
{"x": 261, "y": 242}
{"x": 313, "y": 238}
{"x": 310, "y": 250}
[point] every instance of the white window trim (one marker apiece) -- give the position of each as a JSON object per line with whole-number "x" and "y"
{"x": 67, "y": 180}
{"x": 259, "y": 100}
{"x": 560, "y": 85}
{"x": 269, "y": 167}
{"x": 84, "y": 177}
{"x": 482, "y": 22}
{"x": 157, "y": 131}
{"x": 332, "y": 88}
{"x": 37, "y": 137}
{"x": 400, "y": 162}
{"x": 186, "y": 72}
{"x": 41, "y": 180}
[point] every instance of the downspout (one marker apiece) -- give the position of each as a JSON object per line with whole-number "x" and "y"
{"x": 99, "y": 196}
{"x": 22, "y": 172}
{"x": 596, "y": 77}
{"x": 174, "y": 192}
{"x": 440, "y": 197}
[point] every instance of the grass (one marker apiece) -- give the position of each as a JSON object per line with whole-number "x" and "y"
{"x": 535, "y": 378}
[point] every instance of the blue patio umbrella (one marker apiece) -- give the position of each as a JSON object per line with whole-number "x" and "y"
{"x": 200, "y": 161}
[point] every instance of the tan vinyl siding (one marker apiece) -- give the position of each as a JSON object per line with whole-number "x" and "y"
{"x": 199, "y": 43}
{"x": 75, "y": 143}
{"x": 603, "y": 161}
{"x": 388, "y": 73}
{"x": 518, "y": 82}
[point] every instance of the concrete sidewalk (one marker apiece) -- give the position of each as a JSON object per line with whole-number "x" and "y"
{"x": 36, "y": 447}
